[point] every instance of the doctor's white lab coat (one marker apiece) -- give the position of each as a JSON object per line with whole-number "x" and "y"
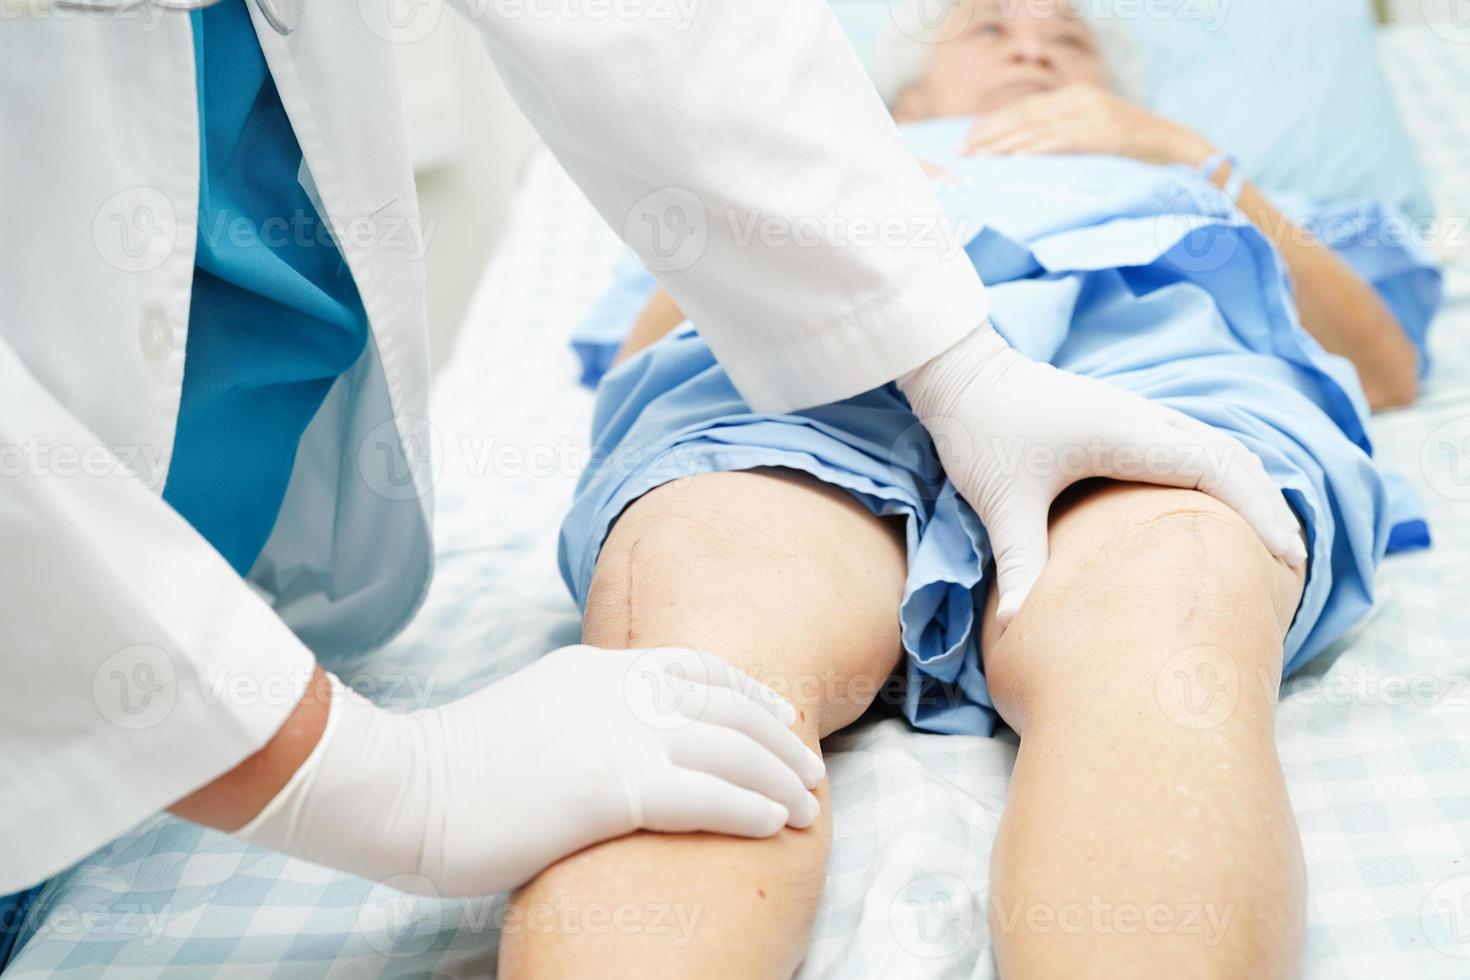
{"x": 743, "y": 154}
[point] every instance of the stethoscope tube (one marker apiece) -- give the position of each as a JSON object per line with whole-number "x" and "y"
{"x": 282, "y": 15}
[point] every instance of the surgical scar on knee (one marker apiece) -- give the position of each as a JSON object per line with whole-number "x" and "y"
{"x": 628, "y": 592}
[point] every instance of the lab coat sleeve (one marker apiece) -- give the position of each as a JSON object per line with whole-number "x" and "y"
{"x": 138, "y": 666}
{"x": 739, "y": 148}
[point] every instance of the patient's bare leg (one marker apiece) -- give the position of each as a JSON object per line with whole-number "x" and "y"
{"x": 1148, "y": 831}
{"x": 798, "y": 585}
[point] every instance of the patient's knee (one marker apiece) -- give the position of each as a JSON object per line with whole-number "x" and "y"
{"x": 1139, "y": 572}
{"x": 1177, "y": 554}
{"x": 791, "y": 581}
{"x": 715, "y": 558}
{"x": 641, "y": 562}
{"x": 1205, "y": 557}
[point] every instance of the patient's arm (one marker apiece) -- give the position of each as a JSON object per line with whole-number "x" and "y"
{"x": 1339, "y": 308}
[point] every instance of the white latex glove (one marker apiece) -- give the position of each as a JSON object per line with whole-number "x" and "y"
{"x": 479, "y": 795}
{"x": 1013, "y": 433}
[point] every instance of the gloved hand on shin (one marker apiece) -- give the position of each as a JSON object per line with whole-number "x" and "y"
{"x": 479, "y": 795}
{"x": 1013, "y": 433}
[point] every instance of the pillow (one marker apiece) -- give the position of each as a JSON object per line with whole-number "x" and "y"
{"x": 1294, "y": 89}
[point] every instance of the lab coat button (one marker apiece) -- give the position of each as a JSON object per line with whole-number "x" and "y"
{"x": 156, "y": 337}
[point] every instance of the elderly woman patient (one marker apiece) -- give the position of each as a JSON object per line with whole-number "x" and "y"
{"x": 825, "y": 550}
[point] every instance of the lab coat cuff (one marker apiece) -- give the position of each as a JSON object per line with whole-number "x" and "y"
{"x": 868, "y": 347}
{"x": 205, "y": 718}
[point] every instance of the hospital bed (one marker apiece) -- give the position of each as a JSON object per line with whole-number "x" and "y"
{"x": 1375, "y": 738}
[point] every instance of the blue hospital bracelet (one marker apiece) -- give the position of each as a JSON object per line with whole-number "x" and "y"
{"x": 1212, "y": 166}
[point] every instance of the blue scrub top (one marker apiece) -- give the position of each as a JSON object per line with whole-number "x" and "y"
{"x": 275, "y": 316}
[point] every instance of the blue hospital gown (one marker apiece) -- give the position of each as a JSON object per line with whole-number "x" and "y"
{"x": 1147, "y": 277}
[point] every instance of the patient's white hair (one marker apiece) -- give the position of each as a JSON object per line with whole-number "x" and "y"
{"x": 904, "y": 48}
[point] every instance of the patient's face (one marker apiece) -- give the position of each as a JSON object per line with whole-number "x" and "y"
{"x": 998, "y": 51}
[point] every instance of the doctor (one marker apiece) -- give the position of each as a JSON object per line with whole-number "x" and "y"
{"x": 211, "y": 417}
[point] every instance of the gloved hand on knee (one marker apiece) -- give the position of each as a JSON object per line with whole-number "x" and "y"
{"x": 1013, "y": 433}
{"x": 479, "y": 795}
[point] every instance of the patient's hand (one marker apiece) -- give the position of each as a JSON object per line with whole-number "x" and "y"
{"x": 1086, "y": 119}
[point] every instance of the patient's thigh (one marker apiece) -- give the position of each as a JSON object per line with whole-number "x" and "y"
{"x": 791, "y": 580}
{"x": 1164, "y": 569}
